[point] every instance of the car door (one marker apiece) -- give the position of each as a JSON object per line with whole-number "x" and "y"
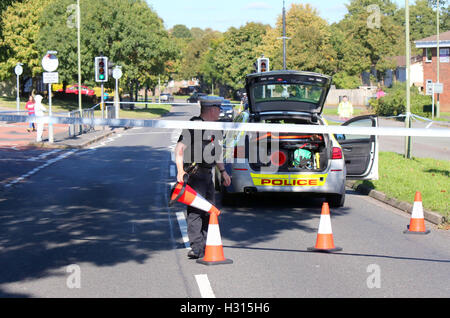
{"x": 360, "y": 151}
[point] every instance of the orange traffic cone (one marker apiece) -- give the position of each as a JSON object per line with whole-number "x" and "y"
{"x": 417, "y": 222}
{"x": 325, "y": 241}
{"x": 214, "y": 249}
{"x": 183, "y": 193}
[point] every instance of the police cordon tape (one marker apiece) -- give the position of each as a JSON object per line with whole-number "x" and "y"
{"x": 233, "y": 126}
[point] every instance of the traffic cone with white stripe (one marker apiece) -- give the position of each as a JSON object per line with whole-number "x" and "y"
{"x": 214, "y": 249}
{"x": 325, "y": 242}
{"x": 183, "y": 193}
{"x": 417, "y": 222}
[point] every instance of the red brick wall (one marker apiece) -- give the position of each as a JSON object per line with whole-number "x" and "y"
{"x": 430, "y": 73}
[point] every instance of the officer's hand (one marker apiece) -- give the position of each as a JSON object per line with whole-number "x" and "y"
{"x": 226, "y": 179}
{"x": 180, "y": 176}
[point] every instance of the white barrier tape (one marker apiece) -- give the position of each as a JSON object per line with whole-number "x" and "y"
{"x": 232, "y": 126}
{"x": 161, "y": 103}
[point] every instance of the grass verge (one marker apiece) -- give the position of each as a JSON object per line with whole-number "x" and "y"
{"x": 400, "y": 178}
{"x": 61, "y": 106}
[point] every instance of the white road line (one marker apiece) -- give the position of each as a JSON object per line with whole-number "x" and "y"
{"x": 183, "y": 229}
{"x": 49, "y": 162}
{"x": 45, "y": 154}
{"x": 204, "y": 286}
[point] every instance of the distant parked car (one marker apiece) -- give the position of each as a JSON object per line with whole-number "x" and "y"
{"x": 73, "y": 89}
{"x": 195, "y": 97}
{"x": 226, "y": 111}
{"x": 166, "y": 97}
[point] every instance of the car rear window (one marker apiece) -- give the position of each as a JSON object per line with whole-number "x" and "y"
{"x": 265, "y": 92}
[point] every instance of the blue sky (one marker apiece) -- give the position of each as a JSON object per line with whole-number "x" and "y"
{"x": 222, "y": 14}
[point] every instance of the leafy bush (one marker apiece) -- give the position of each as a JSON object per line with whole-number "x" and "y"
{"x": 344, "y": 81}
{"x": 394, "y": 103}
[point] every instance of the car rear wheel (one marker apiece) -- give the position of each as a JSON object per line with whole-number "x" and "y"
{"x": 336, "y": 200}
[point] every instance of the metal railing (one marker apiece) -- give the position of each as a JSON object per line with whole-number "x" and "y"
{"x": 75, "y": 129}
{"x": 78, "y": 129}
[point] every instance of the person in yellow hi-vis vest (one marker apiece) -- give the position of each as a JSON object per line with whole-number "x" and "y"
{"x": 345, "y": 109}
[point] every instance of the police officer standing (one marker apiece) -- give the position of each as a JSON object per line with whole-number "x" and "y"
{"x": 190, "y": 157}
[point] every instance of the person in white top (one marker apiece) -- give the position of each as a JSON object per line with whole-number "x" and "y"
{"x": 39, "y": 110}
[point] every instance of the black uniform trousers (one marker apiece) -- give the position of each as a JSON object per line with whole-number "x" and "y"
{"x": 198, "y": 220}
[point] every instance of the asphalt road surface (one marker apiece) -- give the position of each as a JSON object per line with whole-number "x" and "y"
{"x": 95, "y": 223}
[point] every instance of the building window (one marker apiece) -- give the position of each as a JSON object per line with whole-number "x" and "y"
{"x": 428, "y": 55}
{"x": 444, "y": 55}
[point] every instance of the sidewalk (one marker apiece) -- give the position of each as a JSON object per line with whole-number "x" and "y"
{"x": 16, "y": 136}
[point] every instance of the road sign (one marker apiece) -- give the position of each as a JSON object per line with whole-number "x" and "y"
{"x": 50, "y": 77}
{"x": 117, "y": 73}
{"x": 18, "y": 69}
{"x": 50, "y": 62}
{"x": 438, "y": 88}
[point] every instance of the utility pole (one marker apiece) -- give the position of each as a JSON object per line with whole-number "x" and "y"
{"x": 284, "y": 36}
{"x": 408, "y": 83}
{"x": 79, "y": 57}
{"x": 438, "y": 57}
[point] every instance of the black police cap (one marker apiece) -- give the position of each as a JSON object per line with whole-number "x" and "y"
{"x": 211, "y": 101}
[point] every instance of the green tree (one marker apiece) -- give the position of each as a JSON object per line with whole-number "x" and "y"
{"x": 423, "y": 19}
{"x": 310, "y": 47}
{"x": 20, "y": 28}
{"x": 127, "y": 31}
{"x": 234, "y": 55}
{"x": 366, "y": 43}
{"x": 193, "y": 52}
{"x": 180, "y": 31}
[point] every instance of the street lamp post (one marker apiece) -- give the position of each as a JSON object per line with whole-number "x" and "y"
{"x": 79, "y": 58}
{"x": 408, "y": 83}
{"x": 438, "y": 57}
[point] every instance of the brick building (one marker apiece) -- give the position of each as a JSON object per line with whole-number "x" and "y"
{"x": 429, "y": 46}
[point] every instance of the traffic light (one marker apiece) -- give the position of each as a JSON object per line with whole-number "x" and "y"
{"x": 101, "y": 69}
{"x": 263, "y": 64}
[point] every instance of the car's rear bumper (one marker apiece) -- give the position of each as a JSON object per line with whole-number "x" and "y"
{"x": 330, "y": 181}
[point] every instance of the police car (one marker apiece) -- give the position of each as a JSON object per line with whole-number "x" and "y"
{"x": 293, "y": 162}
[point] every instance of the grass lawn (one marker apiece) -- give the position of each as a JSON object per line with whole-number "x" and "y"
{"x": 152, "y": 111}
{"x": 61, "y": 106}
{"x": 400, "y": 178}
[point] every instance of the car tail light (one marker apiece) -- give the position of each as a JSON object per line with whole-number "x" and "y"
{"x": 337, "y": 153}
{"x": 278, "y": 158}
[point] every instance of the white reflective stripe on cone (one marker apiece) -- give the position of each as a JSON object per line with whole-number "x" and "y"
{"x": 201, "y": 203}
{"x": 213, "y": 238}
{"x": 325, "y": 224}
{"x": 417, "y": 212}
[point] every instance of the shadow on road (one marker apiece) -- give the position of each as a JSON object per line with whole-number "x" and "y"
{"x": 109, "y": 206}
{"x": 105, "y": 208}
